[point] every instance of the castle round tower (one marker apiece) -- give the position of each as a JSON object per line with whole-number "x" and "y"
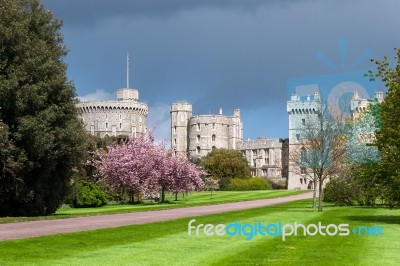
{"x": 125, "y": 116}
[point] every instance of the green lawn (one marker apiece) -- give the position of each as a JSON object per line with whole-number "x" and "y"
{"x": 168, "y": 243}
{"x": 194, "y": 199}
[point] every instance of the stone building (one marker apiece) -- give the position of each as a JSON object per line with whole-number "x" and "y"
{"x": 301, "y": 112}
{"x": 267, "y": 157}
{"x": 125, "y": 116}
{"x": 196, "y": 136}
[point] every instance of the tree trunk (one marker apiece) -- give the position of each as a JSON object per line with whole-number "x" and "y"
{"x": 211, "y": 193}
{"x": 163, "y": 195}
{"x": 131, "y": 197}
{"x": 314, "y": 204}
{"x": 176, "y": 196}
{"x": 320, "y": 195}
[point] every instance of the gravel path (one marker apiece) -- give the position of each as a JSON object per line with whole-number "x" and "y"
{"x": 47, "y": 227}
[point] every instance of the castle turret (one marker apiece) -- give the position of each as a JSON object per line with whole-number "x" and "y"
{"x": 180, "y": 115}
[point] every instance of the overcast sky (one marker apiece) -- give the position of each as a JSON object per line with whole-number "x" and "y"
{"x": 229, "y": 54}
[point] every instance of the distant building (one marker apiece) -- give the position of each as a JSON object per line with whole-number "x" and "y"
{"x": 300, "y": 112}
{"x": 125, "y": 116}
{"x": 197, "y": 135}
{"x": 267, "y": 157}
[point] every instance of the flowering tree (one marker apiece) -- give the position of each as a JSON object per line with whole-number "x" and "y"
{"x": 186, "y": 176}
{"x": 130, "y": 166}
{"x": 145, "y": 168}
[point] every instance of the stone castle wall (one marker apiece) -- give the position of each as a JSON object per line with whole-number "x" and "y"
{"x": 267, "y": 157}
{"x": 126, "y": 116}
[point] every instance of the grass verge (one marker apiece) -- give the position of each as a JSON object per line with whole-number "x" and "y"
{"x": 168, "y": 243}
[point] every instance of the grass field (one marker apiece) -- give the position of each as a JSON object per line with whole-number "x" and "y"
{"x": 168, "y": 243}
{"x": 194, "y": 199}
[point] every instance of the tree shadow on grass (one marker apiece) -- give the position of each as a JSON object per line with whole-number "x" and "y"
{"x": 387, "y": 219}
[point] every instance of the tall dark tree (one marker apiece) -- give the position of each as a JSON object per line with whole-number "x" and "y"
{"x": 224, "y": 165}
{"x": 388, "y": 137}
{"x": 37, "y": 107}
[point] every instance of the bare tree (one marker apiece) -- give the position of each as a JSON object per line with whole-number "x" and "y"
{"x": 320, "y": 150}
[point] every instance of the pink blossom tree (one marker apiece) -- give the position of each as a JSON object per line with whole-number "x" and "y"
{"x": 145, "y": 168}
{"x": 186, "y": 176}
{"x": 130, "y": 166}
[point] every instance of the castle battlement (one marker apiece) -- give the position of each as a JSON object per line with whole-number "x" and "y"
{"x": 124, "y": 116}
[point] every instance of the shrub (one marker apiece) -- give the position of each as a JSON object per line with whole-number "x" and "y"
{"x": 88, "y": 194}
{"x": 255, "y": 183}
{"x": 341, "y": 192}
{"x": 280, "y": 184}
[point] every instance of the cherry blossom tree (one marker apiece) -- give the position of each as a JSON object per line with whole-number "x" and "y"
{"x": 186, "y": 176}
{"x": 145, "y": 168}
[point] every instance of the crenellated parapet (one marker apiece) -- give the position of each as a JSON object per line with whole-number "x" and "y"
{"x": 112, "y": 106}
{"x": 198, "y": 135}
{"x": 125, "y": 116}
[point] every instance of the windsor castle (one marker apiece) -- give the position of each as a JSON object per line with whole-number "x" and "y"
{"x": 197, "y": 135}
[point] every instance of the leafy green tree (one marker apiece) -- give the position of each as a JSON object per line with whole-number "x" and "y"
{"x": 224, "y": 165}
{"x": 388, "y": 138}
{"x": 37, "y": 106}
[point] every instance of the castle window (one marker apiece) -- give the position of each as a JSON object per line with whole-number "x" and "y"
{"x": 120, "y": 125}
{"x": 120, "y": 116}
{"x": 198, "y": 126}
{"x": 198, "y": 138}
{"x": 175, "y": 141}
{"x": 106, "y": 125}
{"x": 303, "y": 170}
{"x": 213, "y": 147}
{"x": 303, "y": 121}
{"x": 297, "y": 137}
{"x": 213, "y": 137}
{"x": 213, "y": 126}
{"x": 198, "y": 150}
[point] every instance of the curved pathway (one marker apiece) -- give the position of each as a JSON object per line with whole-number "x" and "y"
{"x": 47, "y": 227}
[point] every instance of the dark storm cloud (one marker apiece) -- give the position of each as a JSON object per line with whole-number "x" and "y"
{"x": 227, "y": 53}
{"x": 88, "y": 12}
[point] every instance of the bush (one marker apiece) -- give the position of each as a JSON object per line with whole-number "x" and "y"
{"x": 280, "y": 184}
{"x": 88, "y": 194}
{"x": 254, "y": 183}
{"x": 341, "y": 192}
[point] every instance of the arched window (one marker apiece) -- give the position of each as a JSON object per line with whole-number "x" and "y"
{"x": 213, "y": 137}
{"x": 213, "y": 147}
{"x": 198, "y": 150}
{"x": 198, "y": 138}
